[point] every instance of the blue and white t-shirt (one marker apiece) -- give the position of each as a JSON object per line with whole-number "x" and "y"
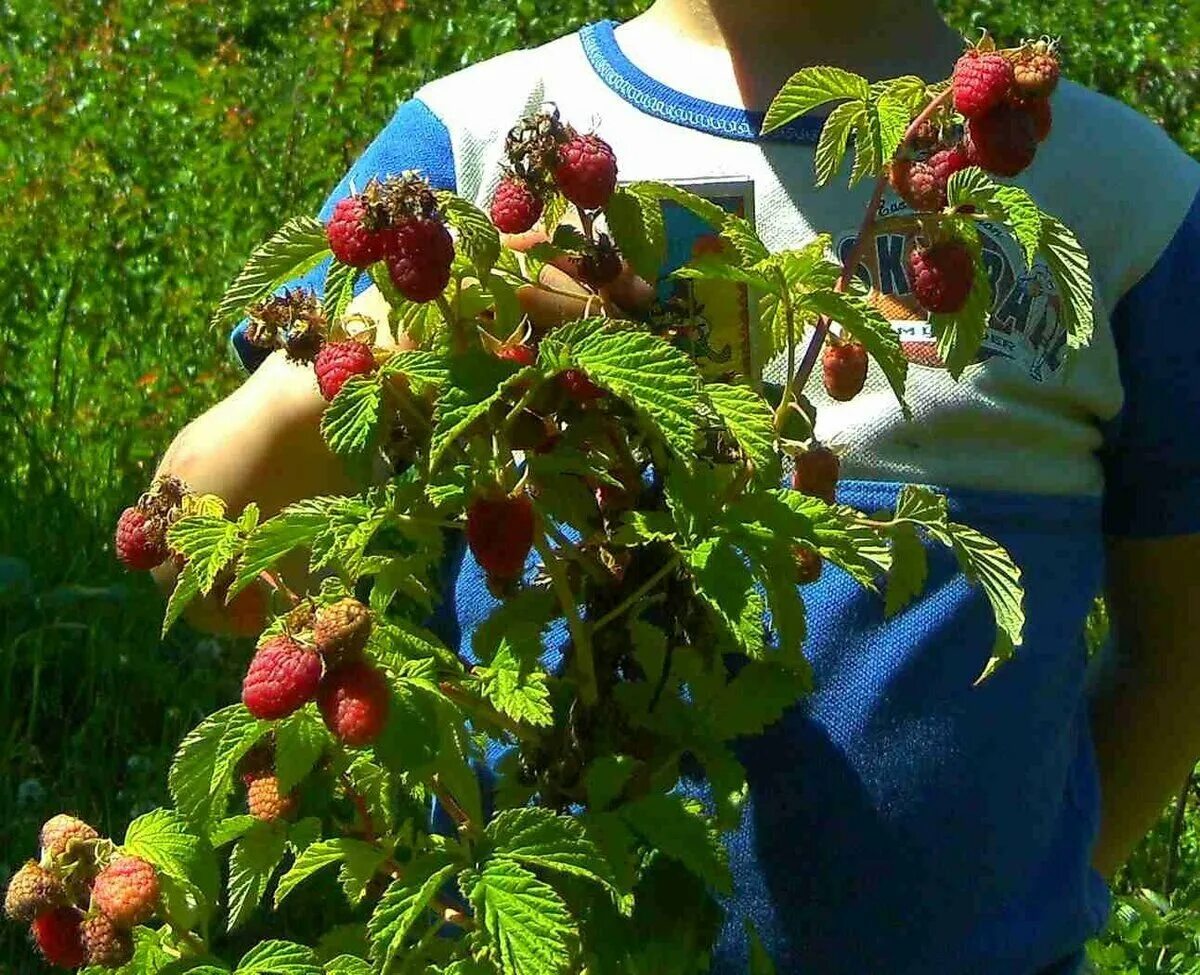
{"x": 902, "y": 820}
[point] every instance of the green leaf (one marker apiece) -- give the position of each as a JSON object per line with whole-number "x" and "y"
{"x": 724, "y": 581}
{"x": 299, "y": 742}
{"x": 868, "y": 326}
{"x": 749, "y": 419}
{"x": 959, "y": 336}
{"x": 348, "y": 965}
{"x": 405, "y": 903}
{"x": 644, "y": 528}
{"x": 760, "y": 960}
{"x": 711, "y": 213}
{"x": 294, "y": 527}
{"x": 657, "y": 380}
{"x": 476, "y": 382}
{"x": 922, "y": 505}
{"x": 1009, "y": 205}
{"x": 1068, "y": 263}
{"x": 811, "y": 88}
{"x": 163, "y": 839}
{"x": 987, "y": 564}
{"x": 515, "y": 685}
{"x": 251, "y": 866}
{"x": 540, "y": 839}
{"x": 909, "y": 569}
{"x": 897, "y": 102}
{"x": 842, "y": 537}
{"x": 279, "y": 958}
{"x": 339, "y": 289}
{"x": 478, "y": 238}
{"x": 666, "y": 823}
{"x": 528, "y": 927}
{"x": 353, "y": 423}
{"x": 868, "y": 145}
{"x": 727, "y": 781}
{"x": 606, "y": 778}
{"x": 296, "y": 249}
{"x": 324, "y": 853}
{"x": 207, "y": 543}
{"x": 230, "y": 829}
{"x": 719, "y": 267}
{"x": 835, "y": 136}
{"x": 638, "y": 228}
{"x": 187, "y": 588}
{"x": 424, "y": 370}
{"x": 201, "y": 776}
{"x": 756, "y": 698}
{"x": 741, "y": 236}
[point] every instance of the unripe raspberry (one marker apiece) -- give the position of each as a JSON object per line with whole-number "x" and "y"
{"x": 586, "y": 171}
{"x": 981, "y": 82}
{"x": 281, "y": 679}
{"x": 1004, "y": 141}
{"x": 500, "y": 534}
{"x": 58, "y": 937}
{"x": 1036, "y": 71}
{"x": 922, "y": 183}
{"x": 845, "y": 370}
{"x": 808, "y": 565}
{"x": 338, "y": 362}
{"x": 33, "y": 890}
{"x": 515, "y": 207}
{"x": 61, "y": 831}
{"x": 106, "y": 945}
{"x": 141, "y": 540}
{"x": 266, "y": 802}
{"x": 419, "y": 255}
{"x": 579, "y": 388}
{"x": 518, "y": 354}
{"x": 942, "y": 276}
{"x": 341, "y": 629}
{"x": 127, "y": 891}
{"x": 817, "y": 473}
{"x": 350, "y": 239}
{"x": 354, "y": 700}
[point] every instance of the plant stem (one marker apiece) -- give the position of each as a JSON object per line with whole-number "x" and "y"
{"x": 453, "y": 809}
{"x": 644, "y": 589}
{"x": 276, "y": 582}
{"x": 585, "y": 664}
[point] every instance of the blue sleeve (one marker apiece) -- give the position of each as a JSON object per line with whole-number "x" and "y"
{"x": 1152, "y": 453}
{"x": 415, "y": 138}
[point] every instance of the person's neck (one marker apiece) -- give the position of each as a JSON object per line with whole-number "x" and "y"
{"x": 763, "y": 42}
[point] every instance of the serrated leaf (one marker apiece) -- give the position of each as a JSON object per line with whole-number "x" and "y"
{"x": 1068, "y": 263}
{"x": 749, "y": 419}
{"x": 719, "y": 267}
{"x": 348, "y": 965}
{"x": 644, "y": 528}
{"x": 868, "y": 145}
{"x": 727, "y": 783}
{"x": 251, "y": 866}
{"x": 339, "y": 289}
{"x": 960, "y": 336}
{"x": 909, "y": 569}
{"x": 635, "y": 221}
{"x": 207, "y": 543}
{"x": 760, "y": 960}
{"x": 324, "y": 853}
{"x": 922, "y": 505}
{"x": 187, "y": 588}
{"x": 162, "y": 838}
{"x": 1008, "y": 205}
{"x": 724, "y": 581}
{"x": 606, "y": 778}
{"x": 299, "y": 742}
{"x": 657, "y": 380}
{"x": 665, "y": 823}
{"x": 987, "y": 564}
{"x": 811, "y": 88}
{"x": 353, "y": 423}
{"x": 756, "y": 698}
{"x": 835, "y": 137}
{"x": 476, "y": 382}
{"x": 527, "y": 924}
{"x": 478, "y": 238}
{"x": 515, "y": 686}
{"x": 201, "y": 776}
{"x": 292, "y": 252}
{"x": 540, "y": 839}
{"x": 867, "y": 326}
{"x": 897, "y": 102}
{"x": 294, "y": 527}
{"x": 423, "y": 370}
{"x": 279, "y": 958}
{"x": 843, "y": 538}
{"x": 741, "y": 236}
{"x": 404, "y": 904}
{"x": 711, "y": 213}
{"x": 230, "y": 829}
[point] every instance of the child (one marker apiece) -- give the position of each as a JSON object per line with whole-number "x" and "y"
{"x": 900, "y": 820}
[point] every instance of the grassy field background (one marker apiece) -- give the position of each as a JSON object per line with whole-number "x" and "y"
{"x": 145, "y": 147}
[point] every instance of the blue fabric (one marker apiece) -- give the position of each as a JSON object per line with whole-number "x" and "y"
{"x": 415, "y": 138}
{"x": 654, "y": 98}
{"x": 1152, "y": 455}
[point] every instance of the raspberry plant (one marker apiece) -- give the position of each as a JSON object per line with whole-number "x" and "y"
{"x": 512, "y": 806}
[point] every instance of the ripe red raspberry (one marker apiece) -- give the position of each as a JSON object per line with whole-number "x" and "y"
{"x": 419, "y": 254}
{"x": 578, "y": 387}
{"x": 354, "y": 700}
{"x": 338, "y": 361}
{"x": 106, "y": 945}
{"x": 141, "y": 540}
{"x": 817, "y": 473}
{"x": 808, "y": 565}
{"x": 58, "y": 937}
{"x": 341, "y": 629}
{"x": 941, "y": 275}
{"x": 265, "y": 801}
{"x": 586, "y": 171}
{"x": 515, "y": 207}
{"x": 845, "y": 370}
{"x": 922, "y": 183}
{"x": 1036, "y": 72}
{"x": 500, "y": 534}
{"x": 351, "y": 241}
{"x": 282, "y": 678}
{"x": 61, "y": 831}
{"x": 981, "y": 82}
{"x": 1004, "y": 141}
{"x": 1038, "y": 109}
{"x": 33, "y": 890}
{"x": 127, "y": 891}
{"x": 521, "y": 355}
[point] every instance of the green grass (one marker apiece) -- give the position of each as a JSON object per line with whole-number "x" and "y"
{"x": 145, "y": 147}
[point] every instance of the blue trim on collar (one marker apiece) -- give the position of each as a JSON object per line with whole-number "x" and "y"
{"x": 654, "y": 98}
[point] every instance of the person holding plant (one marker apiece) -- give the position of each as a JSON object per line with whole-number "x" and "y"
{"x": 900, "y": 819}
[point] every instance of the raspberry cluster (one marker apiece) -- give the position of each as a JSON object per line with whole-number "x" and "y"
{"x": 83, "y": 898}
{"x": 141, "y": 536}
